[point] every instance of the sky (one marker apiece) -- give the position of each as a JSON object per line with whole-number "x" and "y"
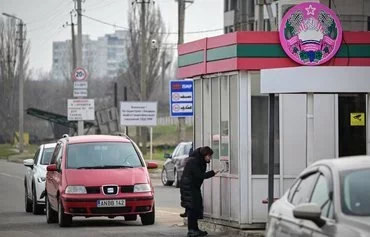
{"x": 44, "y": 21}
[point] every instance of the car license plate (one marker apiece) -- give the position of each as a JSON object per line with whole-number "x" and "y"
{"x": 111, "y": 203}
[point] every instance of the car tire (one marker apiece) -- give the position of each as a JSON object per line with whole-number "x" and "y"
{"x": 177, "y": 181}
{"x": 130, "y": 217}
{"x": 164, "y": 179}
{"x": 36, "y": 208}
{"x": 27, "y": 201}
{"x": 148, "y": 218}
{"x": 51, "y": 215}
{"x": 64, "y": 220}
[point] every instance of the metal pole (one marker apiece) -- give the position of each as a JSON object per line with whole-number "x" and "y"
{"x": 260, "y": 15}
{"x": 21, "y": 79}
{"x": 143, "y": 68}
{"x": 181, "y": 28}
{"x": 125, "y": 99}
{"x": 151, "y": 143}
{"x": 79, "y": 53}
{"x": 271, "y": 163}
{"x": 163, "y": 69}
{"x": 74, "y": 62}
{"x": 368, "y": 124}
{"x": 115, "y": 95}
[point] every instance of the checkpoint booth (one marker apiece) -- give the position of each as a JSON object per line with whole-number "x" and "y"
{"x": 321, "y": 79}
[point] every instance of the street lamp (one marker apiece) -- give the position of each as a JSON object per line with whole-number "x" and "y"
{"x": 21, "y": 79}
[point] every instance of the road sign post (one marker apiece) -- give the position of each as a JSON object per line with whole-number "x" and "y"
{"x": 80, "y": 89}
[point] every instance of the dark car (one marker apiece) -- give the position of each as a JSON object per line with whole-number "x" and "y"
{"x": 174, "y": 165}
{"x": 329, "y": 198}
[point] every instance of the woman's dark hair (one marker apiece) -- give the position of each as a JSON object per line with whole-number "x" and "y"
{"x": 206, "y": 151}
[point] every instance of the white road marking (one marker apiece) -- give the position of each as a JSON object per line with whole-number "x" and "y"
{"x": 12, "y": 176}
{"x": 168, "y": 212}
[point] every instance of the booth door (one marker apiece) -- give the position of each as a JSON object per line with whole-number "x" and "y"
{"x": 352, "y": 124}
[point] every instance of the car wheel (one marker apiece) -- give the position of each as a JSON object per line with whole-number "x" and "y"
{"x": 51, "y": 215}
{"x": 177, "y": 181}
{"x": 164, "y": 178}
{"x": 27, "y": 201}
{"x": 36, "y": 208}
{"x": 130, "y": 217}
{"x": 148, "y": 218}
{"x": 64, "y": 220}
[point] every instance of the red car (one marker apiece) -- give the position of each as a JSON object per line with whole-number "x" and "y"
{"x": 98, "y": 175}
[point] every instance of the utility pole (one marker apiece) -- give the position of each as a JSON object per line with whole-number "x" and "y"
{"x": 74, "y": 62}
{"x": 181, "y": 28}
{"x": 21, "y": 79}
{"x": 79, "y": 52}
{"x": 143, "y": 67}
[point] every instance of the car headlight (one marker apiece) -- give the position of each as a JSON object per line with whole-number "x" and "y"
{"x": 41, "y": 179}
{"x": 141, "y": 188}
{"x": 76, "y": 190}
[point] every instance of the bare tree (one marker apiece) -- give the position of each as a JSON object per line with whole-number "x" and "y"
{"x": 9, "y": 73}
{"x": 130, "y": 75}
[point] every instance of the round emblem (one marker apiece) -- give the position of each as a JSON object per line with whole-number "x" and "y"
{"x": 310, "y": 33}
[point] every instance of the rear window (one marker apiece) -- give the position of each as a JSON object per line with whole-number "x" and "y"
{"x": 102, "y": 155}
{"x": 355, "y": 191}
{"x": 46, "y": 155}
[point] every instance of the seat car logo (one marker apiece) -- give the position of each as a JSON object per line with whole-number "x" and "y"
{"x": 110, "y": 190}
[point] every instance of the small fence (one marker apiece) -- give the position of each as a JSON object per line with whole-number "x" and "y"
{"x": 163, "y": 121}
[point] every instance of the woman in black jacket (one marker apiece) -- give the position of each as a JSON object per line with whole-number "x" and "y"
{"x": 190, "y": 184}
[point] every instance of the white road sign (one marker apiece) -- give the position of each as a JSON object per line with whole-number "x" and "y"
{"x": 138, "y": 113}
{"x": 81, "y": 109}
{"x": 80, "y": 89}
{"x": 79, "y": 74}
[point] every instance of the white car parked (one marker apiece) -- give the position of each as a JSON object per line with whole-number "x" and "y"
{"x": 34, "y": 179}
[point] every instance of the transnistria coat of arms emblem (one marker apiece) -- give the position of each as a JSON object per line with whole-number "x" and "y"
{"x": 310, "y": 33}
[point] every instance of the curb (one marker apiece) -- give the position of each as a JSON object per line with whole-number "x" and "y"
{"x": 225, "y": 230}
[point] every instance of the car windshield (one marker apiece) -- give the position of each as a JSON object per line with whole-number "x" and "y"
{"x": 46, "y": 155}
{"x": 355, "y": 191}
{"x": 102, "y": 155}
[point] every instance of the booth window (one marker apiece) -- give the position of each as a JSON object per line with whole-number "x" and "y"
{"x": 206, "y": 112}
{"x": 215, "y": 104}
{"x": 224, "y": 125}
{"x": 198, "y": 112}
{"x": 260, "y": 132}
{"x": 234, "y": 125}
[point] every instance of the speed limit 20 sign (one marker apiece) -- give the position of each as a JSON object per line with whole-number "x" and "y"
{"x": 79, "y": 74}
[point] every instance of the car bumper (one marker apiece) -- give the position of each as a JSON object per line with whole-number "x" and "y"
{"x": 86, "y": 205}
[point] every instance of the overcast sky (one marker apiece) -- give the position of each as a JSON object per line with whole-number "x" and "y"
{"x": 44, "y": 19}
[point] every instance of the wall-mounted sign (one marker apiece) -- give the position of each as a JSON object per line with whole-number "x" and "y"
{"x": 310, "y": 33}
{"x": 181, "y": 98}
{"x": 357, "y": 119}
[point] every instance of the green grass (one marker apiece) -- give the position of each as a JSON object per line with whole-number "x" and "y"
{"x": 7, "y": 150}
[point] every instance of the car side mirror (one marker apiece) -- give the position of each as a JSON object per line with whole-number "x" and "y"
{"x": 152, "y": 165}
{"x": 309, "y": 211}
{"x": 52, "y": 167}
{"x": 28, "y": 163}
{"x": 167, "y": 156}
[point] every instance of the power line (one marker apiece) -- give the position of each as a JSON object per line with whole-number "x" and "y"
{"x": 127, "y": 29}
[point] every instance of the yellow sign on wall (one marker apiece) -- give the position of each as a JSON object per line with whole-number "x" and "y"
{"x": 357, "y": 119}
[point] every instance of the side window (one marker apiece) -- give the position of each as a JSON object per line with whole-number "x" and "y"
{"x": 303, "y": 191}
{"x": 187, "y": 149}
{"x": 292, "y": 189}
{"x": 55, "y": 154}
{"x": 176, "y": 151}
{"x": 36, "y": 157}
{"x": 181, "y": 150}
{"x": 59, "y": 157}
{"x": 320, "y": 195}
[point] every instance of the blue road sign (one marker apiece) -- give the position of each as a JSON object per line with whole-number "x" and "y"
{"x": 181, "y": 98}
